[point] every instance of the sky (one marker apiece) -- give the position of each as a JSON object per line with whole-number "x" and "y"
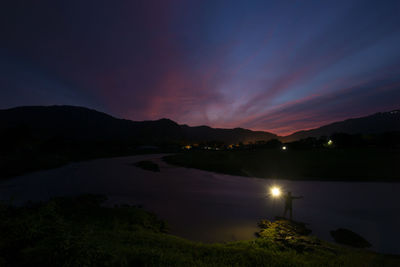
{"x": 278, "y": 66}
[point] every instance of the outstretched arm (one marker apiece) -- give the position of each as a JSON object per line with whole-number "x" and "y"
{"x": 297, "y": 197}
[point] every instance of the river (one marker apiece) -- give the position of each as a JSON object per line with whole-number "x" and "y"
{"x": 210, "y": 207}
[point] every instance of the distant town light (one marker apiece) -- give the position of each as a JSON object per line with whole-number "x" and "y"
{"x": 284, "y": 148}
{"x": 330, "y": 142}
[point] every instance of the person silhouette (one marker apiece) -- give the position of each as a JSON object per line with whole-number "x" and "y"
{"x": 289, "y": 204}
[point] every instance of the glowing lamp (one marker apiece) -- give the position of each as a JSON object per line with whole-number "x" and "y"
{"x": 284, "y": 148}
{"x": 275, "y": 191}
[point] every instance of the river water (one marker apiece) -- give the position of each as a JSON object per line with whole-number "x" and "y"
{"x": 210, "y": 207}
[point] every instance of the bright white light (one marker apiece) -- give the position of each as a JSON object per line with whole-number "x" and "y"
{"x": 275, "y": 191}
{"x": 284, "y": 148}
{"x": 330, "y": 142}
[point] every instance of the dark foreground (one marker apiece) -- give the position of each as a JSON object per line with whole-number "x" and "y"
{"x": 357, "y": 164}
{"x": 80, "y": 232}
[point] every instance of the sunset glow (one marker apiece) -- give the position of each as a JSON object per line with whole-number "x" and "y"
{"x": 278, "y": 66}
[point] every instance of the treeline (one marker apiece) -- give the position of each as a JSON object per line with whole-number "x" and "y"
{"x": 343, "y": 140}
{"x": 24, "y": 148}
{"x": 338, "y": 140}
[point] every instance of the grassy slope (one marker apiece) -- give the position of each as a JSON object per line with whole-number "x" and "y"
{"x": 322, "y": 164}
{"x": 79, "y": 232}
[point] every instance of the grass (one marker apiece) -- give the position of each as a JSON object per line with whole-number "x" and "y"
{"x": 81, "y": 232}
{"x": 317, "y": 164}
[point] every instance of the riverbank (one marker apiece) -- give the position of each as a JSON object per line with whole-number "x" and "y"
{"x": 24, "y": 163}
{"x": 380, "y": 165}
{"x": 80, "y": 231}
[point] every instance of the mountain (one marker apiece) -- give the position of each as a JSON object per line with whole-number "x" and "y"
{"x": 229, "y": 136}
{"x": 374, "y": 124}
{"x": 41, "y": 137}
{"x": 38, "y": 137}
{"x": 83, "y": 124}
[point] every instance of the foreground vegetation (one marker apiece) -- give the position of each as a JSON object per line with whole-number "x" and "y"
{"x": 347, "y": 164}
{"x": 81, "y": 232}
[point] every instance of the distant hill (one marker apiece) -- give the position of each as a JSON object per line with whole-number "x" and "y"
{"x": 37, "y": 137}
{"x": 374, "y": 124}
{"x": 79, "y": 123}
{"x": 229, "y": 136}
{"x": 83, "y": 124}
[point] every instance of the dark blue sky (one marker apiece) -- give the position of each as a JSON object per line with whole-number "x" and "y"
{"x": 279, "y": 66}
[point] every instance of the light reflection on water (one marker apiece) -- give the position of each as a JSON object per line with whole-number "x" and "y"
{"x": 213, "y": 207}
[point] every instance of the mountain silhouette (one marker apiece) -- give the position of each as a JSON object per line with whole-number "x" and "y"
{"x": 79, "y": 123}
{"x": 41, "y": 137}
{"x": 377, "y": 123}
